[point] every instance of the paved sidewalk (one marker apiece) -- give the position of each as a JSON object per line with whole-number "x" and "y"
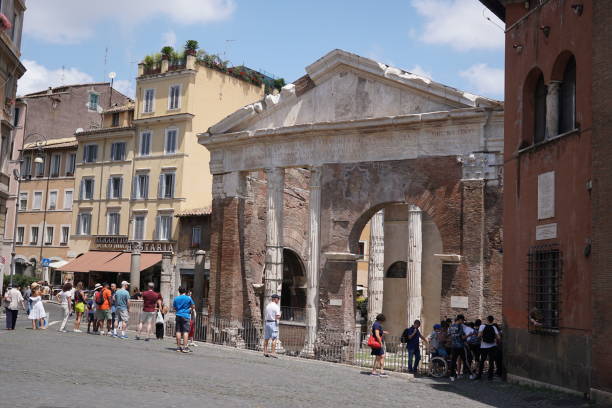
{"x": 52, "y": 370}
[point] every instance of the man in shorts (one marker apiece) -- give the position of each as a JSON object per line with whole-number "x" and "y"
{"x": 103, "y": 310}
{"x": 152, "y": 303}
{"x": 122, "y": 305}
{"x": 271, "y": 316}
{"x": 183, "y": 305}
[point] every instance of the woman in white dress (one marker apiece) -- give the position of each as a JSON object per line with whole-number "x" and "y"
{"x": 37, "y": 311}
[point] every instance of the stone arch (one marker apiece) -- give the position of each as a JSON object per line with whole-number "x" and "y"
{"x": 561, "y": 62}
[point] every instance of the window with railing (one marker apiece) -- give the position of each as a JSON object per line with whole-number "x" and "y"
{"x": 544, "y": 286}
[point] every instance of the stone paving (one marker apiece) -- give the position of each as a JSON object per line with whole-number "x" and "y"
{"x": 47, "y": 369}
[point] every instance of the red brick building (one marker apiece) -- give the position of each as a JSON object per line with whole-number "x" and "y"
{"x": 557, "y": 229}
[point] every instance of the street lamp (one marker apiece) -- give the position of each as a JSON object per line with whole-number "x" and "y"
{"x": 41, "y": 141}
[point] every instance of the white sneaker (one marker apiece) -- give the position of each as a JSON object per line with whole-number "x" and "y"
{"x": 452, "y": 379}
{"x": 472, "y": 376}
{"x": 101, "y": 333}
{"x": 77, "y": 331}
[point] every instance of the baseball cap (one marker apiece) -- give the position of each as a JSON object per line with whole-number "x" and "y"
{"x": 437, "y": 326}
{"x": 275, "y": 296}
{"x": 125, "y": 283}
{"x": 97, "y": 286}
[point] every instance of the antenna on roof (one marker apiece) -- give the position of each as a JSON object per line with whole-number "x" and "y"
{"x": 62, "y": 77}
{"x": 105, "y": 61}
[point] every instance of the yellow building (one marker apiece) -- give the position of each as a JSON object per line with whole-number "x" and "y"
{"x": 138, "y": 171}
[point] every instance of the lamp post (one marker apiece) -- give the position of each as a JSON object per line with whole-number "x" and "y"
{"x": 40, "y": 142}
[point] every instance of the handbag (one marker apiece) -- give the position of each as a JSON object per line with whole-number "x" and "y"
{"x": 160, "y": 318}
{"x": 373, "y": 343}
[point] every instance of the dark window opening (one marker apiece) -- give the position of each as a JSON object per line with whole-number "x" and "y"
{"x": 545, "y": 268}
{"x": 115, "y": 119}
{"x": 539, "y": 111}
{"x": 567, "y": 98}
{"x": 397, "y": 270}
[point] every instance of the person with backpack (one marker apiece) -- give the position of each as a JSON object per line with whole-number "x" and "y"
{"x": 103, "y": 307}
{"x": 458, "y": 334}
{"x": 411, "y": 337}
{"x": 489, "y": 336}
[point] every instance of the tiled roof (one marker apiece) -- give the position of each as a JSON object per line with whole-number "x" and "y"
{"x": 195, "y": 212}
{"x": 121, "y": 108}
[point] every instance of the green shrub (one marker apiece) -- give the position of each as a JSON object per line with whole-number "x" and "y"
{"x": 19, "y": 280}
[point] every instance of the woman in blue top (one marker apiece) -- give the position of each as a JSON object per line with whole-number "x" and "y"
{"x": 378, "y": 332}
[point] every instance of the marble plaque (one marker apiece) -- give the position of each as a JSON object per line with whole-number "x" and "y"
{"x": 460, "y": 302}
{"x": 546, "y": 231}
{"x": 546, "y": 195}
{"x": 335, "y": 302}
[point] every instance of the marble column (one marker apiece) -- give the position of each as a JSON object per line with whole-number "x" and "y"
{"x": 198, "y": 280}
{"x": 135, "y": 266}
{"x": 376, "y": 266}
{"x": 552, "y": 109}
{"x": 274, "y": 233}
{"x": 413, "y": 273}
{"x": 165, "y": 288}
{"x": 312, "y": 274}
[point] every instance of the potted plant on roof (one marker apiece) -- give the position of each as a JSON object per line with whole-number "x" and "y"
{"x": 191, "y": 47}
{"x": 167, "y": 52}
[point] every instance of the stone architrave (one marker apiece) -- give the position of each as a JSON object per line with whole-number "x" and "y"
{"x": 165, "y": 288}
{"x": 135, "y": 266}
{"x": 552, "y": 108}
{"x": 312, "y": 290}
{"x": 273, "y": 278}
{"x": 413, "y": 273}
{"x": 376, "y": 266}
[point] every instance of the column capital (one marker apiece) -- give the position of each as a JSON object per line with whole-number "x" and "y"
{"x": 553, "y": 87}
{"x": 414, "y": 209}
{"x": 315, "y": 177}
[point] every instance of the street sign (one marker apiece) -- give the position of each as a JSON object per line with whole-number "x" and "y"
{"x": 46, "y": 261}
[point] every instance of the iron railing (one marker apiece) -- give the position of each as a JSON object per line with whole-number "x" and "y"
{"x": 347, "y": 347}
{"x": 545, "y": 266}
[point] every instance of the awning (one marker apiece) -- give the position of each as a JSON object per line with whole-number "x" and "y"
{"x": 58, "y": 264}
{"x": 109, "y": 261}
{"x": 122, "y": 263}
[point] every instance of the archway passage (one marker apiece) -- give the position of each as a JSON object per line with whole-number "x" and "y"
{"x": 397, "y": 270}
{"x": 293, "y": 294}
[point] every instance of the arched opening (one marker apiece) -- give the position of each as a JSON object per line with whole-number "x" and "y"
{"x": 539, "y": 113}
{"x": 397, "y": 270}
{"x": 386, "y": 237}
{"x": 534, "y": 109}
{"x": 567, "y": 98}
{"x": 293, "y": 294}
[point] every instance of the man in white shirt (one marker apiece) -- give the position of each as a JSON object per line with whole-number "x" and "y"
{"x": 489, "y": 337}
{"x": 272, "y": 315}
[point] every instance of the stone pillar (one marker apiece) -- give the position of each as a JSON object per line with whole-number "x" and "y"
{"x": 413, "y": 273}
{"x": 274, "y": 233}
{"x": 552, "y": 109}
{"x": 164, "y": 65}
{"x": 190, "y": 61}
{"x": 140, "y": 72}
{"x": 165, "y": 288}
{"x": 312, "y": 274}
{"x": 376, "y": 266}
{"x": 198, "y": 280}
{"x": 135, "y": 266}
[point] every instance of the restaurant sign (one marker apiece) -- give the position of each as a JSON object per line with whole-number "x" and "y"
{"x": 122, "y": 243}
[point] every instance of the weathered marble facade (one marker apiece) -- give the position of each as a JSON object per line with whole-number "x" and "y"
{"x": 329, "y": 152}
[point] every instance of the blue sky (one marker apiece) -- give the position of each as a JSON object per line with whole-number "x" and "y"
{"x": 451, "y": 41}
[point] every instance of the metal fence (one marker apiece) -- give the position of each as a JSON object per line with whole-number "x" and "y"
{"x": 349, "y": 347}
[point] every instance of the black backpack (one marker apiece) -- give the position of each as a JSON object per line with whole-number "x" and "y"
{"x": 99, "y": 298}
{"x": 488, "y": 334}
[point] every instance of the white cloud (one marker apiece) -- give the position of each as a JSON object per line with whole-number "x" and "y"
{"x": 75, "y": 20}
{"x": 485, "y": 80}
{"x": 169, "y": 38}
{"x": 39, "y": 77}
{"x": 419, "y": 70}
{"x": 126, "y": 87}
{"x": 460, "y": 24}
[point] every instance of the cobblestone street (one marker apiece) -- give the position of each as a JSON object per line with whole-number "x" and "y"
{"x": 48, "y": 369}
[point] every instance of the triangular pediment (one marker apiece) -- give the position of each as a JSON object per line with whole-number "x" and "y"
{"x": 343, "y": 87}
